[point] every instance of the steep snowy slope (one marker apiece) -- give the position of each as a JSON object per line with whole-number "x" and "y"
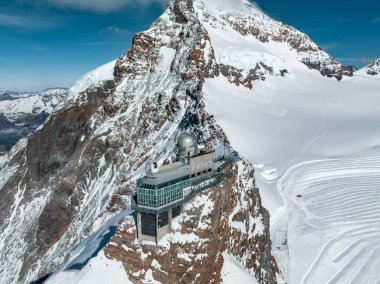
{"x": 245, "y": 38}
{"x": 371, "y": 70}
{"x": 93, "y": 78}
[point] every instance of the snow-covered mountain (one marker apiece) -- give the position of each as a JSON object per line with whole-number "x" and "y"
{"x": 373, "y": 69}
{"x": 220, "y": 69}
{"x": 22, "y": 113}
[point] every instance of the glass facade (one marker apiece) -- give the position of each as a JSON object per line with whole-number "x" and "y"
{"x": 159, "y": 195}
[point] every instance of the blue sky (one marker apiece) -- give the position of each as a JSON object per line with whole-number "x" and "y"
{"x": 47, "y": 43}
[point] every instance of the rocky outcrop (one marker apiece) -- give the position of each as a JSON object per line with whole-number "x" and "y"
{"x": 229, "y": 217}
{"x": 374, "y": 68}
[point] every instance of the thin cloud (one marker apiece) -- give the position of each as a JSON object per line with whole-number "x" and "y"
{"x": 331, "y": 46}
{"x": 102, "y": 6}
{"x": 337, "y": 21}
{"x": 93, "y": 43}
{"x": 117, "y": 30}
{"x": 375, "y": 20}
{"x": 363, "y": 60}
{"x": 27, "y": 21}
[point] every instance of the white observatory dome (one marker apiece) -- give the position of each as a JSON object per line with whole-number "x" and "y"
{"x": 186, "y": 140}
{"x": 187, "y": 145}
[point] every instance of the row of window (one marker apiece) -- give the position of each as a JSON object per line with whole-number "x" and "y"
{"x": 159, "y": 197}
{"x": 201, "y": 173}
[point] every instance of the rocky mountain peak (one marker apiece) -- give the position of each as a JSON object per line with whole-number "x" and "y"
{"x": 276, "y": 38}
{"x": 374, "y": 68}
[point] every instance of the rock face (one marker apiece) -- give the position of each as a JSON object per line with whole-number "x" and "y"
{"x": 228, "y": 217}
{"x": 23, "y": 113}
{"x": 78, "y": 170}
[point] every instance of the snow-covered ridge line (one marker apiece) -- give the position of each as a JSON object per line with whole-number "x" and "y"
{"x": 15, "y": 105}
{"x": 92, "y": 78}
{"x": 224, "y": 19}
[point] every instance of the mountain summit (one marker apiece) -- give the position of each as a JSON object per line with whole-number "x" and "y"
{"x": 372, "y": 69}
{"x": 67, "y": 188}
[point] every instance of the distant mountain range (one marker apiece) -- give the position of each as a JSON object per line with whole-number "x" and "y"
{"x": 23, "y": 112}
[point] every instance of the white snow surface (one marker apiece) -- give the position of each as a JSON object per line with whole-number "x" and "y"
{"x": 233, "y": 272}
{"x": 95, "y": 266}
{"x": 99, "y": 270}
{"x": 333, "y": 220}
{"x": 284, "y": 122}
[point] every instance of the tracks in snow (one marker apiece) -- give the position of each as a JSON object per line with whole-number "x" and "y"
{"x": 334, "y": 227}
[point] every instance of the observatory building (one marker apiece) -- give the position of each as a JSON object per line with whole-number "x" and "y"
{"x": 163, "y": 191}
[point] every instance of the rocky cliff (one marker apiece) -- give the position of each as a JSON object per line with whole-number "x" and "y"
{"x": 227, "y": 218}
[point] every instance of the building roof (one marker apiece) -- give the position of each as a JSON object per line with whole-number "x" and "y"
{"x": 186, "y": 140}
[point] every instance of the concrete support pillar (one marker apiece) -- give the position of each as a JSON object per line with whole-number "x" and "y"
{"x": 139, "y": 225}
{"x": 157, "y": 228}
{"x": 170, "y": 217}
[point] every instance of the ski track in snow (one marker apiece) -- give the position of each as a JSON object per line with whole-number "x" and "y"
{"x": 334, "y": 228}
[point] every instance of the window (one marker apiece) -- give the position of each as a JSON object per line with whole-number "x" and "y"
{"x": 148, "y": 224}
{"x": 163, "y": 219}
{"x": 176, "y": 211}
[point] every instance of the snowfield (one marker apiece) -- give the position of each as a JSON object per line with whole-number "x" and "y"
{"x": 333, "y": 221}
{"x": 99, "y": 270}
{"x": 283, "y": 123}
